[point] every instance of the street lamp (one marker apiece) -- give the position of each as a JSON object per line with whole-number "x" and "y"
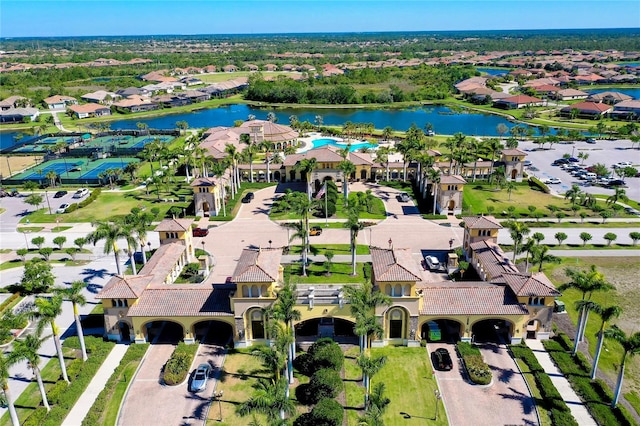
{"x": 438, "y": 398}
{"x": 451, "y": 243}
{"x": 270, "y": 243}
{"x": 218, "y": 396}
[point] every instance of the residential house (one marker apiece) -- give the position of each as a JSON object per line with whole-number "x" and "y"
{"x": 89, "y": 110}
{"x": 609, "y": 97}
{"x": 100, "y": 97}
{"x": 18, "y": 115}
{"x": 59, "y": 101}
{"x": 229, "y": 68}
{"x": 11, "y": 102}
{"x": 629, "y": 109}
{"x": 570, "y": 94}
{"x": 519, "y": 101}
{"x": 135, "y": 104}
{"x": 588, "y": 109}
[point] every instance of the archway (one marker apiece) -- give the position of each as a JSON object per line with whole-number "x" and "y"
{"x": 452, "y": 206}
{"x": 276, "y": 175}
{"x": 450, "y": 330}
{"x": 212, "y": 332}
{"x": 256, "y": 327}
{"x": 340, "y": 330}
{"x": 363, "y": 174}
{"x": 396, "y": 323}
{"x": 205, "y": 208}
{"x": 514, "y": 174}
{"x": 493, "y": 330}
{"x": 163, "y": 332}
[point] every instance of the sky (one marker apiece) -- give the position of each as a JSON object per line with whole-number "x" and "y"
{"x": 51, "y": 18}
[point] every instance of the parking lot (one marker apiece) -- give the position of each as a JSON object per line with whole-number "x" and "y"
{"x": 607, "y": 152}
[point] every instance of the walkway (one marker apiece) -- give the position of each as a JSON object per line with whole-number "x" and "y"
{"x": 86, "y": 400}
{"x": 578, "y": 409}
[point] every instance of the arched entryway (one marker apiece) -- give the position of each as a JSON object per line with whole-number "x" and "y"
{"x": 396, "y": 321}
{"x": 450, "y": 330}
{"x": 452, "y": 206}
{"x": 340, "y": 330}
{"x": 494, "y": 330}
{"x": 363, "y": 174}
{"x": 514, "y": 174}
{"x": 256, "y": 326}
{"x": 212, "y": 332}
{"x": 205, "y": 208}
{"x": 276, "y": 175}
{"x": 167, "y": 332}
{"x": 125, "y": 331}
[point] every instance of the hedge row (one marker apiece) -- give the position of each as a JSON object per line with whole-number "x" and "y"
{"x": 551, "y": 399}
{"x": 63, "y": 397}
{"x": 84, "y": 203}
{"x": 479, "y": 371}
{"x": 534, "y": 181}
{"x": 7, "y": 302}
{"x": 177, "y": 368}
{"x": 595, "y": 393}
{"x": 95, "y": 416}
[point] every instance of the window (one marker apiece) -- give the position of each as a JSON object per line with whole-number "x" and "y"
{"x": 395, "y": 324}
{"x": 536, "y": 300}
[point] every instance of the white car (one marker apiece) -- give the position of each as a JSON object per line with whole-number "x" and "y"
{"x": 432, "y": 262}
{"x": 62, "y": 208}
{"x": 81, "y": 193}
{"x": 622, "y": 165}
{"x": 404, "y": 197}
{"x": 554, "y": 181}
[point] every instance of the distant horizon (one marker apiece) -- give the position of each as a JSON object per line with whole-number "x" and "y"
{"x": 551, "y": 30}
{"x": 137, "y": 18}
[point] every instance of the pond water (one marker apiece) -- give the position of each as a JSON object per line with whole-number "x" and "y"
{"x": 444, "y": 120}
{"x": 493, "y": 71}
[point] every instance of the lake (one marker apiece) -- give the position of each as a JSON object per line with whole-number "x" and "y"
{"x": 493, "y": 71}
{"x": 443, "y": 119}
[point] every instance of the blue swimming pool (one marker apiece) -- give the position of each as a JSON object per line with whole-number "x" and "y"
{"x": 317, "y": 143}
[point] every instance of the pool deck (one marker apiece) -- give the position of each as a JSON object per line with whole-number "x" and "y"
{"x": 306, "y": 143}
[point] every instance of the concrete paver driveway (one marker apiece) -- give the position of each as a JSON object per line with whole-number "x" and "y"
{"x": 506, "y": 402}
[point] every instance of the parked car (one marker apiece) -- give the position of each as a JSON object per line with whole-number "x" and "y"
{"x": 591, "y": 140}
{"x": 573, "y": 160}
{"x": 81, "y": 193}
{"x": 622, "y": 165}
{"x": 432, "y": 262}
{"x": 526, "y": 163}
{"x": 248, "y": 197}
{"x": 404, "y": 197}
{"x": 632, "y": 211}
{"x": 60, "y": 194}
{"x": 616, "y": 182}
{"x": 441, "y": 359}
{"x": 62, "y": 208}
{"x": 315, "y": 230}
{"x": 554, "y": 181}
{"x": 200, "y": 376}
{"x": 200, "y": 232}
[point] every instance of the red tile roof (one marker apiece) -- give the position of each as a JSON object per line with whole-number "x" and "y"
{"x": 481, "y": 222}
{"x": 492, "y": 259}
{"x": 452, "y": 179}
{"x": 470, "y": 300}
{"x": 179, "y": 302}
{"x": 394, "y": 265}
{"x": 530, "y": 285}
{"x": 257, "y": 266}
{"x": 128, "y": 287}
{"x": 174, "y": 225}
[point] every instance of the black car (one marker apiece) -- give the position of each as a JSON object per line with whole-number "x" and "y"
{"x": 441, "y": 359}
{"x": 616, "y": 182}
{"x": 248, "y": 197}
{"x": 560, "y": 161}
{"x": 60, "y": 194}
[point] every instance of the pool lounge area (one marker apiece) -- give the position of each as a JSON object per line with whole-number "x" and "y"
{"x": 316, "y": 140}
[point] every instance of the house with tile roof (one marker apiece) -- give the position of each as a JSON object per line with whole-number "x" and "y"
{"x": 89, "y": 110}
{"x": 11, "y": 102}
{"x": 59, "y": 101}
{"x": 208, "y": 196}
{"x": 328, "y": 159}
{"x": 449, "y": 195}
{"x": 592, "y": 110}
{"x": 513, "y": 160}
{"x": 518, "y": 101}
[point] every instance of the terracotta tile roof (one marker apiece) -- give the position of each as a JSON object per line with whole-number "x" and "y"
{"x": 88, "y": 108}
{"x": 127, "y": 287}
{"x": 522, "y": 99}
{"x": 174, "y": 225}
{"x": 394, "y": 265}
{"x": 272, "y": 132}
{"x": 572, "y": 92}
{"x": 589, "y": 107}
{"x": 492, "y": 259}
{"x": 530, "y": 285}
{"x": 329, "y": 154}
{"x": 204, "y": 181}
{"x": 513, "y": 151}
{"x": 470, "y": 300}
{"x": 257, "y": 266}
{"x": 162, "y": 262}
{"x": 178, "y": 302}
{"x": 452, "y": 179}
{"x": 56, "y": 99}
{"x": 481, "y": 222}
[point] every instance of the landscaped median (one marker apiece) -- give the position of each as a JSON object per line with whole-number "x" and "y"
{"x": 478, "y": 370}
{"x": 179, "y": 364}
{"x": 595, "y": 393}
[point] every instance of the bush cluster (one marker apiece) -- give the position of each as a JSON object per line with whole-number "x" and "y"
{"x": 133, "y": 354}
{"x": 478, "y": 370}
{"x": 595, "y": 393}
{"x": 8, "y": 301}
{"x": 177, "y": 368}
{"x": 551, "y": 399}
{"x": 62, "y": 397}
{"x": 327, "y": 412}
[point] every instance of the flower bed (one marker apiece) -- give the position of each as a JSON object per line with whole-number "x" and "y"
{"x": 177, "y": 368}
{"x": 478, "y": 370}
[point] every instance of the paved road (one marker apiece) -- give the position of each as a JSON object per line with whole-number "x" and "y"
{"x": 478, "y": 405}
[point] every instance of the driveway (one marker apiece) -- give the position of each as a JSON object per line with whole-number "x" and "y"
{"x": 467, "y": 404}
{"x": 149, "y": 402}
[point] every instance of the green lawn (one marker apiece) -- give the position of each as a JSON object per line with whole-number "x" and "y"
{"x": 623, "y": 274}
{"x": 377, "y": 208}
{"x": 354, "y": 392}
{"x": 316, "y": 273}
{"x": 338, "y": 249}
{"x": 545, "y": 420}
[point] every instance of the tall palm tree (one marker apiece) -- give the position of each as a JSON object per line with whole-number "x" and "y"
{"x": 606, "y": 314}
{"x": 140, "y": 223}
{"x": 387, "y": 132}
{"x": 110, "y": 232}
{"x": 363, "y": 300}
{"x": 434, "y": 177}
{"x": 370, "y": 367}
{"x": 586, "y": 282}
{"x": 404, "y": 148}
{"x": 354, "y": 225}
{"x": 233, "y": 155}
{"x": 382, "y": 156}
{"x": 347, "y": 168}
{"x": 619, "y": 194}
{"x": 631, "y": 347}
{"x": 266, "y": 147}
{"x": 269, "y": 398}
{"x": 306, "y": 167}
{"x": 47, "y": 310}
{"x": 573, "y": 194}
{"x": 75, "y": 296}
{"x": 517, "y": 231}
{"x": 27, "y": 349}
{"x": 475, "y": 147}
{"x": 249, "y": 152}
{"x": 5, "y": 364}
{"x": 494, "y": 146}
{"x": 284, "y": 310}
{"x": 540, "y": 255}
{"x": 303, "y": 206}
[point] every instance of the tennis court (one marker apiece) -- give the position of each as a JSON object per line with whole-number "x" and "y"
{"x": 52, "y": 140}
{"x": 59, "y": 168}
{"x": 141, "y": 141}
{"x": 103, "y": 167}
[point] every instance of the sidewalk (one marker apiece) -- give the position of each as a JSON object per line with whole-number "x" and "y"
{"x": 578, "y": 409}
{"x": 86, "y": 400}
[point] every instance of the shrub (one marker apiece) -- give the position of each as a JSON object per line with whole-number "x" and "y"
{"x": 7, "y": 302}
{"x": 534, "y": 181}
{"x": 327, "y": 412}
{"x": 72, "y": 208}
{"x": 325, "y": 353}
{"x": 177, "y": 367}
{"x": 324, "y": 383}
{"x": 478, "y": 370}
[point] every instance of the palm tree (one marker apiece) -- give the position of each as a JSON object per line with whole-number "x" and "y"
{"x": 382, "y": 156}
{"x": 354, "y": 225}
{"x": 434, "y": 177}
{"x": 266, "y": 147}
{"x": 303, "y": 206}
{"x": 404, "y": 148}
{"x": 619, "y": 194}
{"x": 75, "y": 296}
{"x": 306, "y": 167}
{"x": 586, "y": 282}
{"x": 110, "y": 232}
{"x": 540, "y": 255}
{"x": 369, "y": 366}
{"x": 363, "y": 302}
{"x": 5, "y": 364}
{"x": 46, "y": 313}
{"x": 139, "y": 223}
{"x": 284, "y": 310}
{"x": 269, "y": 399}
{"x": 250, "y": 151}
{"x": 52, "y": 176}
{"x": 387, "y": 132}
{"x": 606, "y": 314}
{"x": 493, "y": 145}
{"x": 27, "y": 349}
{"x": 517, "y": 230}
{"x": 528, "y": 247}
{"x": 347, "y": 168}
{"x": 631, "y": 347}
{"x": 573, "y": 194}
